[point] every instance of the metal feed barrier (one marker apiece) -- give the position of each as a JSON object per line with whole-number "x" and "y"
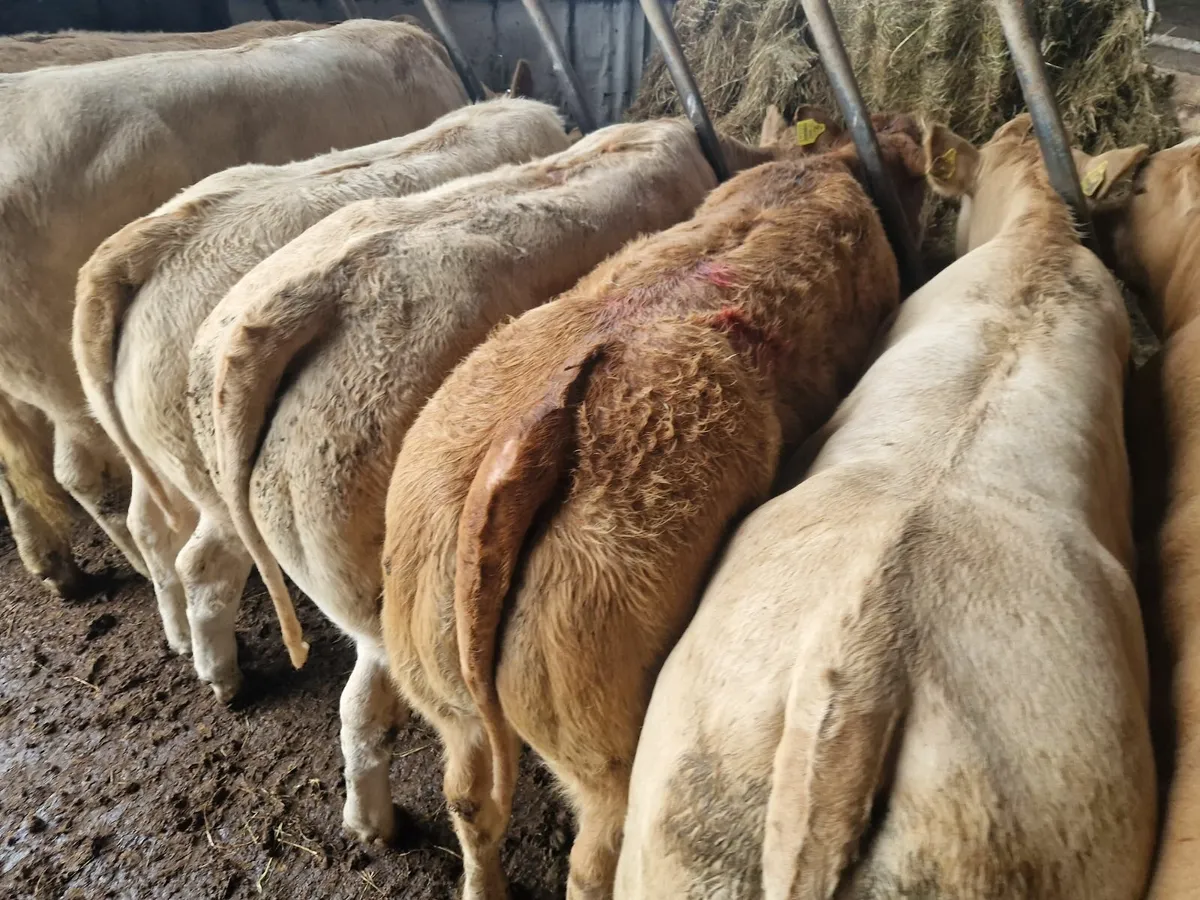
{"x": 1018, "y": 33}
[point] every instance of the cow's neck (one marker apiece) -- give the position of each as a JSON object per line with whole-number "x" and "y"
{"x": 1013, "y": 199}
{"x": 1178, "y": 288}
{"x": 1025, "y": 210}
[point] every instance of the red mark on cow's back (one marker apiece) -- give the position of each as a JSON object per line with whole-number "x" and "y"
{"x": 747, "y": 337}
{"x": 717, "y": 273}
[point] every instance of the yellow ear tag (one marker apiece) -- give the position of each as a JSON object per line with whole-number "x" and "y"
{"x": 1094, "y": 178}
{"x": 807, "y": 131}
{"x": 943, "y": 166}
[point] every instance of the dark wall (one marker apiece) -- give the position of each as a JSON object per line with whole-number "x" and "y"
{"x": 113, "y": 15}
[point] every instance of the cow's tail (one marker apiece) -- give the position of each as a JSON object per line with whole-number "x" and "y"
{"x": 840, "y": 724}
{"x": 521, "y": 470}
{"x": 107, "y": 286}
{"x": 249, "y": 364}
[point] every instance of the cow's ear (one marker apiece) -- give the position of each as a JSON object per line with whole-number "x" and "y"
{"x": 952, "y": 162}
{"x": 522, "y": 80}
{"x": 774, "y": 128}
{"x": 816, "y": 130}
{"x": 1098, "y": 175}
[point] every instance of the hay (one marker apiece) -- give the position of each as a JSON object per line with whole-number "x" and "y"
{"x": 943, "y": 58}
{"x": 946, "y": 59}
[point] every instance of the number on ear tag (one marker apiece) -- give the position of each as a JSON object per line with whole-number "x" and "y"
{"x": 807, "y": 131}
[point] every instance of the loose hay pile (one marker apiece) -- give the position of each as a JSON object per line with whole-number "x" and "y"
{"x": 943, "y": 58}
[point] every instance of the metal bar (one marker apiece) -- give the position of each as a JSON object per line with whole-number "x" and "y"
{"x": 1151, "y": 14}
{"x": 1047, "y": 124}
{"x": 274, "y": 10}
{"x": 849, "y": 99}
{"x": 466, "y": 74}
{"x": 349, "y": 10}
{"x": 681, "y": 74}
{"x": 1175, "y": 43}
{"x": 568, "y": 81}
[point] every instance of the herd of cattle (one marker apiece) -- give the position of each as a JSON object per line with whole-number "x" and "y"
{"x": 524, "y": 385}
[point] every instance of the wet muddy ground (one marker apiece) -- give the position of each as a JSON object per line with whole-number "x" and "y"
{"x": 121, "y": 776}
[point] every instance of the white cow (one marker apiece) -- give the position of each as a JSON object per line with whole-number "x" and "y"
{"x": 921, "y": 672}
{"x": 86, "y": 149}
{"x": 23, "y": 52}
{"x": 369, "y": 311}
{"x": 147, "y": 288}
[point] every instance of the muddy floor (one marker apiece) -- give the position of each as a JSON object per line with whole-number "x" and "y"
{"x": 121, "y": 776}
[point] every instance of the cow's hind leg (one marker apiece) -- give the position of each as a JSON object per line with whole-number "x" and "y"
{"x": 369, "y": 709}
{"x": 159, "y": 546}
{"x": 44, "y": 548}
{"x": 88, "y": 465}
{"x": 39, "y": 511}
{"x": 479, "y": 821}
{"x": 600, "y": 804}
{"x": 213, "y": 566}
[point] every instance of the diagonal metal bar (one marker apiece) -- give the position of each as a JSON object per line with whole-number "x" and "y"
{"x": 568, "y": 81}
{"x": 681, "y": 74}
{"x": 849, "y": 99}
{"x": 1047, "y": 124}
{"x": 466, "y": 74}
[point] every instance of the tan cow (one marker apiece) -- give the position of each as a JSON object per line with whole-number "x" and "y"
{"x": 590, "y": 455}
{"x": 89, "y": 148}
{"x": 921, "y": 672}
{"x": 1156, "y": 245}
{"x": 144, "y": 292}
{"x": 40, "y": 524}
{"x": 367, "y": 312}
{"x": 22, "y": 52}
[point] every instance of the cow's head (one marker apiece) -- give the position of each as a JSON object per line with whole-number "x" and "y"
{"x": 1153, "y": 239}
{"x": 813, "y": 131}
{"x": 986, "y": 180}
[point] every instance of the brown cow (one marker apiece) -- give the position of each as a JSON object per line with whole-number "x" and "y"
{"x": 305, "y": 377}
{"x": 23, "y": 52}
{"x": 1155, "y": 242}
{"x": 591, "y": 455}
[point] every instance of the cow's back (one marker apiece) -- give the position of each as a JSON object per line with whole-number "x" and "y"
{"x": 24, "y": 52}
{"x": 1023, "y": 766}
{"x": 84, "y": 151}
{"x": 418, "y": 282}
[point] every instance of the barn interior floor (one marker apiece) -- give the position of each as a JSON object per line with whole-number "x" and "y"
{"x": 121, "y": 777}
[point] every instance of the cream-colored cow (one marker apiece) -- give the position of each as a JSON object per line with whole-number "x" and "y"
{"x": 23, "y": 52}
{"x": 147, "y": 288}
{"x": 1156, "y": 244}
{"x": 86, "y": 149}
{"x": 368, "y": 311}
{"x": 40, "y": 520}
{"x": 921, "y": 672}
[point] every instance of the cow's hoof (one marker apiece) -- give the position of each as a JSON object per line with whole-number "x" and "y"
{"x": 492, "y": 887}
{"x": 370, "y": 825}
{"x": 68, "y": 581}
{"x": 226, "y": 689}
{"x": 180, "y": 646}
